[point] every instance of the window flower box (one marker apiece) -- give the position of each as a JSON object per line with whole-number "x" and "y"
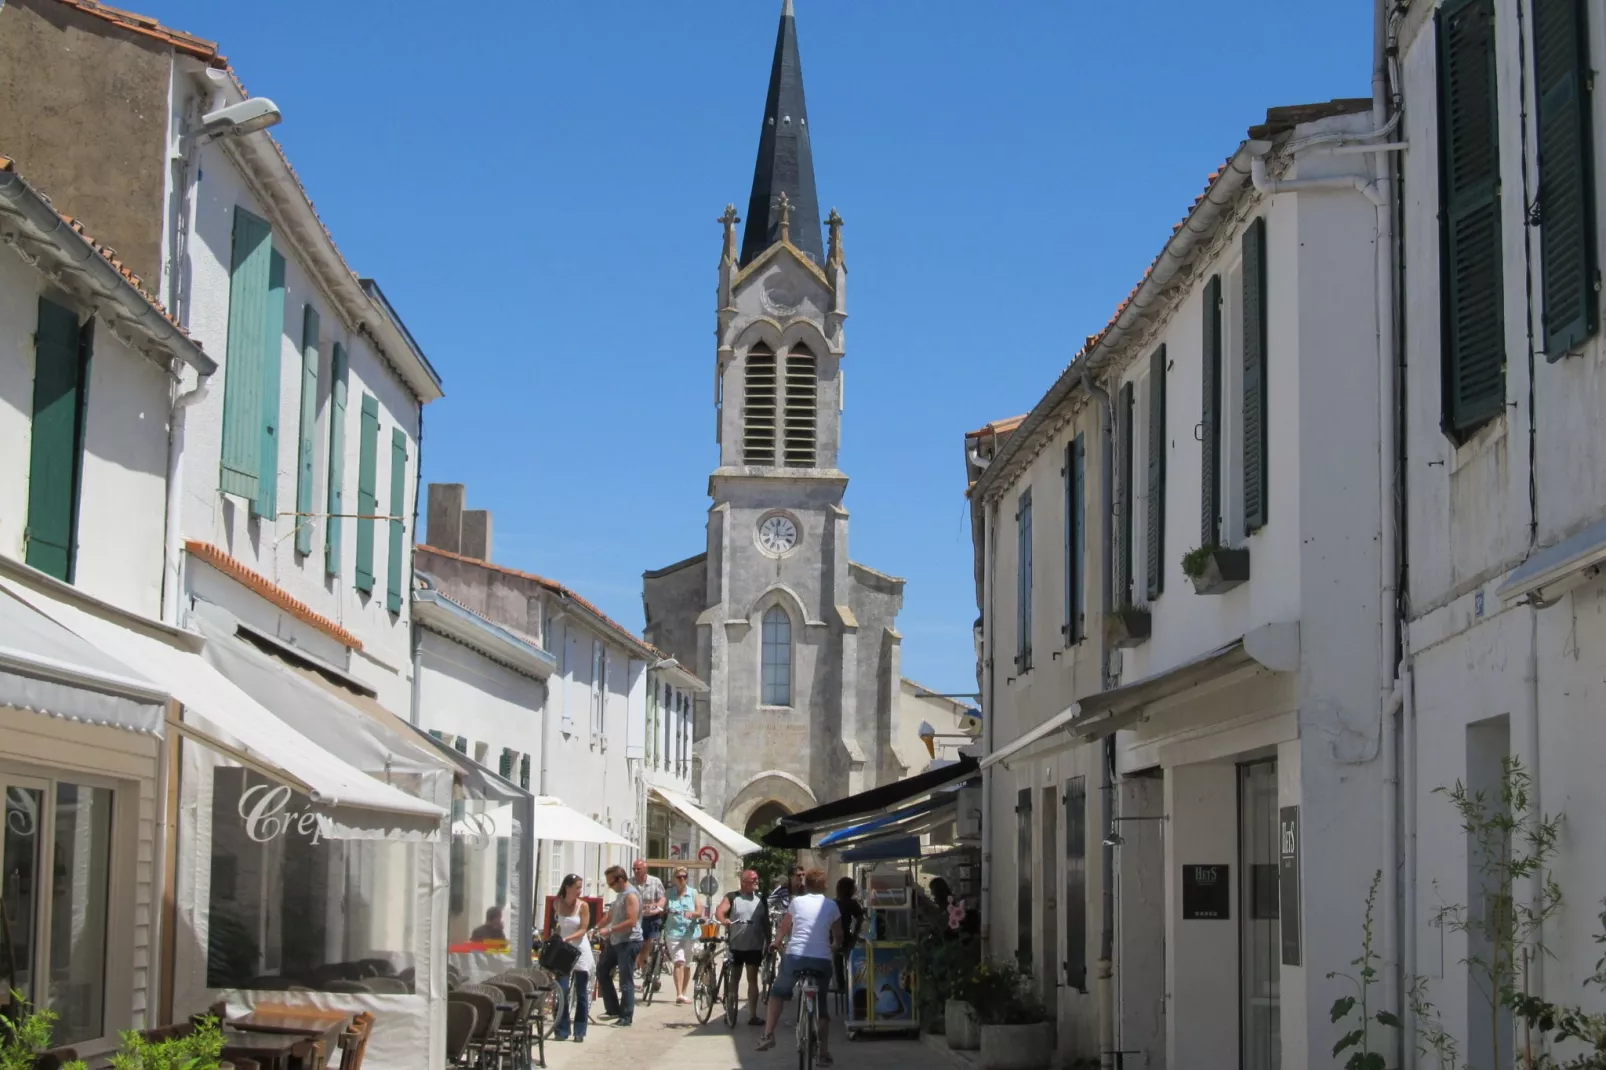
{"x": 1127, "y": 627}
{"x": 1216, "y": 569}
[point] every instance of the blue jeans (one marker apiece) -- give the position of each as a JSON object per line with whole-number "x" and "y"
{"x": 622, "y": 957}
{"x": 576, "y": 1004}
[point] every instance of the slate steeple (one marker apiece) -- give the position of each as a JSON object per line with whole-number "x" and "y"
{"x": 785, "y": 161}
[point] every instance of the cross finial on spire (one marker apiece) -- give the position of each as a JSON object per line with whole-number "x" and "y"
{"x": 784, "y": 206}
{"x": 730, "y": 219}
{"x": 834, "y": 254}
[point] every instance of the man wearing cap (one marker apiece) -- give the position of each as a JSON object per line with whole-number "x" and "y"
{"x": 746, "y": 914}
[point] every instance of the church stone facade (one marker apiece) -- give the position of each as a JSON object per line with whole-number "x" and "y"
{"x": 798, "y": 642}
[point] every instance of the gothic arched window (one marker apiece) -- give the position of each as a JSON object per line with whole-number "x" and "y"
{"x": 802, "y": 404}
{"x": 777, "y": 661}
{"x": 758, "y": 407}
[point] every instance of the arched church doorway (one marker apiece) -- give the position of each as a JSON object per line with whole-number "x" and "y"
{"x": 764, "y": 816}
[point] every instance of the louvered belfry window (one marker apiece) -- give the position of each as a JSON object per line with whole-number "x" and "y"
{"x": 1562, "y": 77}
{"x": 1474, "y": 351}
{"x": 802, "y": 407}
{"x": 758, "y": 407}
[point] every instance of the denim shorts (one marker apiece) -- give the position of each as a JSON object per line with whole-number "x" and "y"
{"x": 786, "y": 979}
{"x": 651, "y": 928}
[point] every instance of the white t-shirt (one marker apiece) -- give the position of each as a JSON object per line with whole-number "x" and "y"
{"x": 812, "y": 916}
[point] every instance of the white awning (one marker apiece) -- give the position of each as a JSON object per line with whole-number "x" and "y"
{"x": 47, "y": 669}
{"x": 250, "y": 732}
{"x": 722, "y": 834}
{"x": 557, "y": 822}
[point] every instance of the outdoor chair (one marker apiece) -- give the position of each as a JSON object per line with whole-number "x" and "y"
{"x": 393, "y": 986}
{"x": 501, "y": 1036}
{"x": 381, "y": 967}
{"x": 461, "y": 1018}
{"x": 482, "y": 1041}
{"x": 354, "y": 1041}
{"x": 517, "y": 1029}
{"x": 347, "y": 986}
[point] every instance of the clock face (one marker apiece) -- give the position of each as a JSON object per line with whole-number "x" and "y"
{"x": 777, "y": 534}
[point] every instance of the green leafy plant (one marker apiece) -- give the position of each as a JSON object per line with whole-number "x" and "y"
{"x": 1001, "y": 995}
{"x": 770, "y": 863}
{"x": 1195, "y": 560}
{"x": 201, "y": 1049}
{"x": 945, "y": 965}
{"x": 25, "y": 1032}
{"x": 1356, "y": 1009}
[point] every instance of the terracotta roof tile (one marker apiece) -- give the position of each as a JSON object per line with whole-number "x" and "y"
{"x": 997, "y": 427}
{"x": 110, "y": 256}
{"x": 265, "y": 587}
{"x": 556, "y": 588}
{"x": 145, "y": 26}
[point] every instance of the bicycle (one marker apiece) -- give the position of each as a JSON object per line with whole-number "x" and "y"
{"x": 766, "y": 973}
{"x": 808, "y": 1019}
{"x": 704, "y": 982}
{"x": 652, "y": 978}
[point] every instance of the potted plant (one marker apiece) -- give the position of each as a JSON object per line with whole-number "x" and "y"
{"x": 200, "y": 1048}
{"x": 25, "y": 1035}
{"x": 1015, "y": 1032}
{"x": 1214, "y": 568}
{"x": 1127, "y": 626}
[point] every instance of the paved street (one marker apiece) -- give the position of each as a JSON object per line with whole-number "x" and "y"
{"x": 667, "y": 1037}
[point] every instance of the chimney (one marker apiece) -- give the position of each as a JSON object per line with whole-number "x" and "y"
{"x": 446, "y": 516}
{"x": 477, "y": 534}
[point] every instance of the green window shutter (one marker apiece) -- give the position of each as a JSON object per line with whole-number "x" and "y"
{"x": 435, "y": 732}
{"x": 1123, "y": 557}
{"x": 1154, "y": 540}
{"x": 266, "y": 502}
{"x": 1075, "y": 541}
{"x": 1023, "y": 583}
{"x": 367, "y": 502}
{"x": 337, "y": 460}
{"x": 249, "y": 271}
{"x": 461, "y": 744}
{"x": 524, "y": 772}
{"x": 60, "y": 381}
{"x": 398, "y": 527}
{"x": 1254, "y": 375}
{"x": 1210, "y": 419}
{"x": 1566, "y": 175}
{"x": 309, "y": 421}
{"x": 1474, "y": 345}
{"x": 504, "y": 767}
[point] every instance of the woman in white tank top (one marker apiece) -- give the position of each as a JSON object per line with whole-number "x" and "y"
{"x": 572, "y": 916}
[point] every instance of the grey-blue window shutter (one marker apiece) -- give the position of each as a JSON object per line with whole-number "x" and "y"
{"x": 1210, "y": 418}
{"x": 1154, "y": 542}
{"x": 1562, "y": 83}
{"x": 308, "y": 428}
{"x": 1254, "y": 376}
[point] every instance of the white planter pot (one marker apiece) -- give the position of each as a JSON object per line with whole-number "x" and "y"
{"x": 961, "y": 1026}
{"x": 1017, "y": 1047}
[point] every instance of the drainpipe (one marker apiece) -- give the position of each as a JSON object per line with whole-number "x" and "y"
{"x": 175, "y": 484}
{"x": 989, "y": 717}
{"x": 1106, "y": 963}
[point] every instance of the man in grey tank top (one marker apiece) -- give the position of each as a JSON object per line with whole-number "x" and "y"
{"x": 622, "y": 930}
{"x": 746, "y": 912}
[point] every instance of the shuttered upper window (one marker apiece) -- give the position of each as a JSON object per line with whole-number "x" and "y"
{"x": 61, "y": 372}
{"x": 1074, "y": 627}
{"x": 266, "y": 501}
{"x": 1210, "y": 418}
{"x": 1253, "y": 381}
{"x": 305, "y": 449}
{"x": 337, "y": 461}
{"x": 1562, "y": 79}
{"x": 1154, "y": 535}
{"x": 243, "y": 376}
{"x": 395, "y": 555}
{"x": 1472, "y": 284}
{"x": 367, "y": 497}
{"x": 1023, "y": 583}
{"x": 1125, "y": 411}
{"x": 758, "y": 407}
{"x": 801, "y": 411}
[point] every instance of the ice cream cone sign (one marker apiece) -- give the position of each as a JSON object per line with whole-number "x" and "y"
{"x": 928, "y": 736}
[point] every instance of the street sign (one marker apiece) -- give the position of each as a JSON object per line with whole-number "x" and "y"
{"x": 709, "y": 855}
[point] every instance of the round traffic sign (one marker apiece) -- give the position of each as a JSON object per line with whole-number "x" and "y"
{"x": 709, "y": 855}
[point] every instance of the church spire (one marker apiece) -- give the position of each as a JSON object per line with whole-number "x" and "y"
{"x": 785, "y": 162}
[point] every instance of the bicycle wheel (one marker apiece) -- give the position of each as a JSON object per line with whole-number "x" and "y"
{"x": 549, "y": 1008}
{"x": 727, "y": 990}
{"x": 702, "y": 992}
{"x": 807, "y": 1038}
{"x": 649, "y": 976}
{"x": 766, "y": 977}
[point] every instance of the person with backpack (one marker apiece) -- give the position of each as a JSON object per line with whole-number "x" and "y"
{"x": 745, "y": 913}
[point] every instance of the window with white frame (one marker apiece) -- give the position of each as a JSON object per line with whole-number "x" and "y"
{"x": 777, "y": 658}
{"x": 599, "y": 687}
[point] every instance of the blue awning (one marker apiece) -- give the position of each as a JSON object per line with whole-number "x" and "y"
{"x": 857, "y": 831}
{"x": 891, "y": 849}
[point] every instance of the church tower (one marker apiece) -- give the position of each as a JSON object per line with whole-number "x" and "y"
{"x": 796, "y": 641}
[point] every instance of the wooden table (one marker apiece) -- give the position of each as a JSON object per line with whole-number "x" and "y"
{"x": 304, "y": 1023}
{"x": 273, "y": 1051}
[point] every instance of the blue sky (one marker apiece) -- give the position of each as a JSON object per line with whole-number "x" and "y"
{"x": 535, "y": 185}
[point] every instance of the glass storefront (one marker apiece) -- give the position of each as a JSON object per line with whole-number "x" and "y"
{"x": 55, "y": 887}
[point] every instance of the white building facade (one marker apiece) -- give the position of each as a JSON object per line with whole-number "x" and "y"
{"x": 1503, "y": 451}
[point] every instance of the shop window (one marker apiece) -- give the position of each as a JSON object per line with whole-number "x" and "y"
{"x": 55, "y": 883}
{"x": 302, "y": 908}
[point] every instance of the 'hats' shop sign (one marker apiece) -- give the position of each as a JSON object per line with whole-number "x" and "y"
{"x": 1206, "y": 892}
